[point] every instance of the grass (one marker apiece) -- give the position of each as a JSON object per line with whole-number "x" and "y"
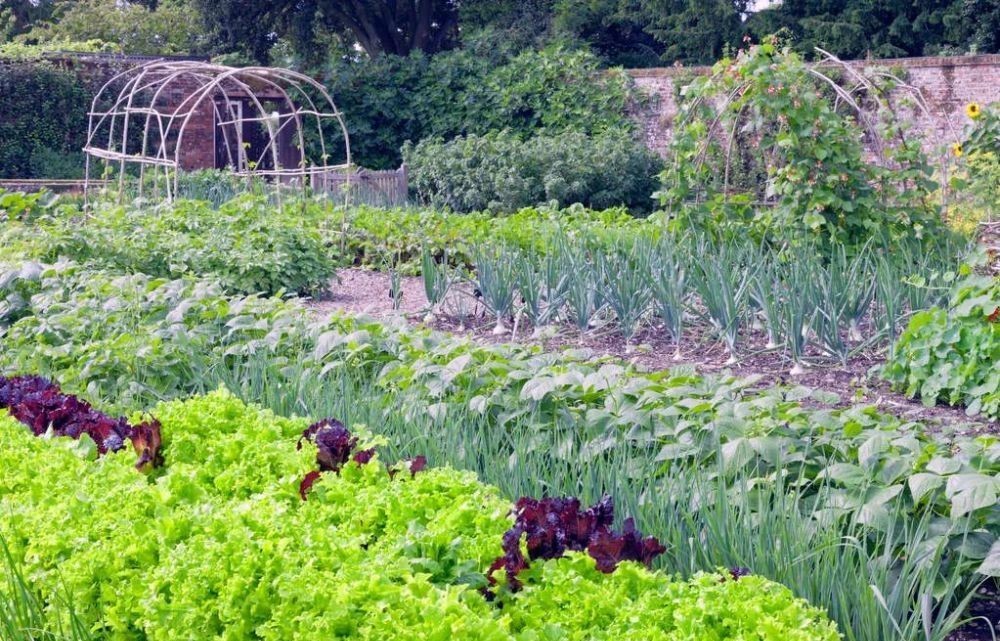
{"x": 23, "y": 614}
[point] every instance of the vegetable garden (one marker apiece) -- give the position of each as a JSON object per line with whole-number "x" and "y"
{"x": 189, "y": 448}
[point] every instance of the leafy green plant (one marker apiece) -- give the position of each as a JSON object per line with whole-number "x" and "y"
{"x": 951, "y": 354}
{"x": 247, "y": 244}
{"x": 500, "y": 172}
{"x": 406, "y": 556}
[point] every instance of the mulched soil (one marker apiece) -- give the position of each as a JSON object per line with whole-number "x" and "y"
{"x": 362, "y": 291}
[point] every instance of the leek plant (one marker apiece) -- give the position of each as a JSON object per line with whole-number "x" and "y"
{"x": 436, "y": 278}
{"x": 669, "y": 281}
{"x": 582, "y": 296}
{"x": 497, "y": 282}
{"x": 554, "y": 282}
{"x": 723, "y": 277}
{"x": 624, "y": 272}
{"x": 764, "y": 293}
{"x": 797, "y": 310}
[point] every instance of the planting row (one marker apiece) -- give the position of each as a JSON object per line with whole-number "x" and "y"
{"x": 211, "y": 544}
{"x": 133, "y": 339}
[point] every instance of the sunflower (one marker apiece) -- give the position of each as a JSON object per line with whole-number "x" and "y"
{"x": 957, "y": 150}
{"x": 973, "y": 110}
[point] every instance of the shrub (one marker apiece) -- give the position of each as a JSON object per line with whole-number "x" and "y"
{"x": 952, "y": 355}
{"x": 501, "y": 172}
{"x": 222, "y": 544}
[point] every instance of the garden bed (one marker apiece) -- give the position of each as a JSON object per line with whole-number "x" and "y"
{"x": 363, "y": 291}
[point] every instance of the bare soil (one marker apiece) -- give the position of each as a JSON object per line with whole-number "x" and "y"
{"x": 361, "y": 291}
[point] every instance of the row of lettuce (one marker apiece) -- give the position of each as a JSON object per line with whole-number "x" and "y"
{"x": 908, "y": 494}
{"x": 218, "y": 541}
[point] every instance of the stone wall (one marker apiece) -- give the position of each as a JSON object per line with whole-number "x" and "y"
{"x": 946, "y": 84}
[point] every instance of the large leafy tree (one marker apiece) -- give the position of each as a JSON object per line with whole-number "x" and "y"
{"x": 149, "y": 27}
{"x": 692, "y": 31}
{"x": 395, "y": 27}
{"x": 880, "y": 28}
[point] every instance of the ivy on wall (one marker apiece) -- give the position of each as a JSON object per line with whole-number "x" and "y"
{"x": 43, "y": 121}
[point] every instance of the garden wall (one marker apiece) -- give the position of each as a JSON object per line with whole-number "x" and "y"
{"x": 947, "y": 85}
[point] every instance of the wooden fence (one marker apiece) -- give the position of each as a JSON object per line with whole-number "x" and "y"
{"x": 387, "y": 188}
{"x": 57, "y": 186}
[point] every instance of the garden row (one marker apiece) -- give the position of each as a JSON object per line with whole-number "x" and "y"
{"x": 813, "y": 302}
{"x": 694, "y": 459}
{"x": 211, "y": 542}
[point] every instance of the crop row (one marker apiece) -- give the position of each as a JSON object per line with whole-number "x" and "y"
{"x": 694, "y": 459}
{"x": 220, "y": 541}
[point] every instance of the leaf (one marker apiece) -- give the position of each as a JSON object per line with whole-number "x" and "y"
{"x": 991, "y": 564}
{"x": 923, "y": 483}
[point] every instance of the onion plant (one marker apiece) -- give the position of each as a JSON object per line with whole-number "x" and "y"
{"x": 26, "y": 616}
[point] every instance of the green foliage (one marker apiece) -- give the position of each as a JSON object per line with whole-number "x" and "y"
{"x": 216, "y": 545}
{"x": 45, "y": 117}
{"x": 976, "y": 182}
{"x": 911, "y": 497}
{"x": 951, "y": 355}
{"x": 500, "y": 172}
{"x": 390, "y": 100}
{"x": 171, "y": 27}
{"x": 372, "y": 233}
{"x": 814, "y": 180}
{"x": 863, "y": 28}
{"x": 247, "y": 244}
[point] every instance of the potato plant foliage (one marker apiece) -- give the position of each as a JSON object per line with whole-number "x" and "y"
{"x": 220, "y": 544}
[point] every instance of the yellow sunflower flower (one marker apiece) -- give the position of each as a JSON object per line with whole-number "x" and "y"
{"x": 973, "y": 110}
{"x": 957, "y": 150}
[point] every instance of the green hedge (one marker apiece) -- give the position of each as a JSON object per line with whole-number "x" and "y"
{"x": 502, "y": 172}
{"x": 43, "y": 121}
{"x": 220, "y": 545}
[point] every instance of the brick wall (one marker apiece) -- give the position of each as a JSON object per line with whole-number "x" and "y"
{"x": 946, "y": 84}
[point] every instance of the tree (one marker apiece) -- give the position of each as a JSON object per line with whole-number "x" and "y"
{"x": 153, "y": 28}
{"x": 17, "y": 16}
{"x": 692, "y": 31}
{"x": 884, "y": 28}
{"x": 395, "y": 27}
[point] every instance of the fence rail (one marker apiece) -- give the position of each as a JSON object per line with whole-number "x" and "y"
{"x": 50, "y": 184}
{"x": 386, "y": 188}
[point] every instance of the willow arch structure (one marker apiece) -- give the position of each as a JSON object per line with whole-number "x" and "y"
{"x": 164, "y": 117}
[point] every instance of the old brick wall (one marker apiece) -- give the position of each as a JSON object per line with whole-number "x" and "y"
{"x": 946, "y": 84}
